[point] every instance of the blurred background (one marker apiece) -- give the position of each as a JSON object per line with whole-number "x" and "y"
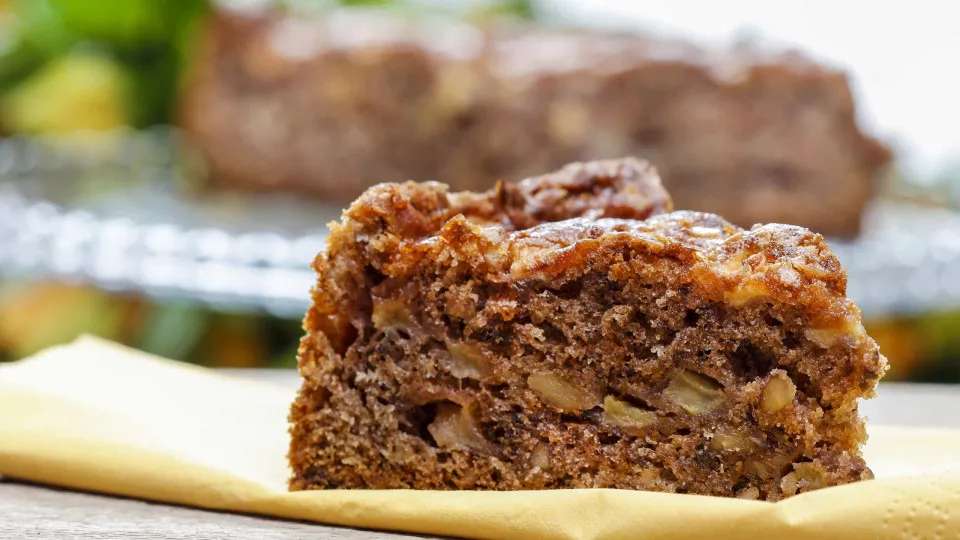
{"x": 167, "y": 167}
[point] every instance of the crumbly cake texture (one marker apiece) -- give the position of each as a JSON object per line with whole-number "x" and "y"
{"x": 754, "y": 134}
{"x": 572, "y": 332}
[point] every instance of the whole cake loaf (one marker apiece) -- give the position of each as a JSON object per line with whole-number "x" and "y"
{"x": 570, "y": 331}
{"x": 331, "y": 106}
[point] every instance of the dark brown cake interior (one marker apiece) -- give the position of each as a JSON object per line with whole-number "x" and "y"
{"x": 678, "y": 354}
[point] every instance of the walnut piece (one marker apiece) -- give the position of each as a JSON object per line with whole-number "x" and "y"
{"x": 828, "y": 337}
{"x": 746, "y": 293}
{"x": 568, "y": 121}
{"x": 390, "y": 313}
{"x": 778, "y": 392}
{"x": 624, "y": 415}
{"x": 563, "y": 394}
{"x": 759, "y": 468}
{"x": 804, "y": 477}
{"x": 732, "y": 441}
{"x": 466, "y": 361}
{"x": 455, "y": 88}
{"x": 694, "y": 393}
{"x": 455, "y": 429}
{"x": 540, "y": 457}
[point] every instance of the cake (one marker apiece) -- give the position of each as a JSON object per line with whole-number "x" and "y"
{"x": 571, "y": 331}
{"x": 330, "y": 106}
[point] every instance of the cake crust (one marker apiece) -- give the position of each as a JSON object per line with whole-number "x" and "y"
{"x": 571, "y": 331}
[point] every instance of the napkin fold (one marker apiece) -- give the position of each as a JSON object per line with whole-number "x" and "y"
{"x": 96, "y": 416}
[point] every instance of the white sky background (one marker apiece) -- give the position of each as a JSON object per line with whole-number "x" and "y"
{"x": 903, "y": 56}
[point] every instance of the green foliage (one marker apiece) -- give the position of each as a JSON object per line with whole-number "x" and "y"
{"x": 521, "y": 9}
{"x": 173, "y": 329}
{"x": 77, "y": 91}
{"x": 150, "y": 40}
{"x": 367, "y": 2}
{"x": 32, "y": 34}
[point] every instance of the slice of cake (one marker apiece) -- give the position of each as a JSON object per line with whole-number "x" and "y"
{"x": 754, "y": 133}
{"x": 566, "y": 332}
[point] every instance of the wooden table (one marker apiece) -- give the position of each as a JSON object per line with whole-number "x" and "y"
{"x": 36, "y": 512}
{"x": 41, "y": 513}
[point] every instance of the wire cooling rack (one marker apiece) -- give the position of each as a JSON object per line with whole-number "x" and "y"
{"x": 118, "y": 211}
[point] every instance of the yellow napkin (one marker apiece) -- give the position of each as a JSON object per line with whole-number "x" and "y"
{"x": 100, "y": 417}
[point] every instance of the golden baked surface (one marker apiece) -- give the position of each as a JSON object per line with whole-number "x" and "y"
{"x": 571, "y": 331}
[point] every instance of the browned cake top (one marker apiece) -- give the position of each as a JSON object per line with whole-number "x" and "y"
{"x": 584, "y": 218}
{"x": 397, "y": 225}
{"x": 624, "y": 188}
